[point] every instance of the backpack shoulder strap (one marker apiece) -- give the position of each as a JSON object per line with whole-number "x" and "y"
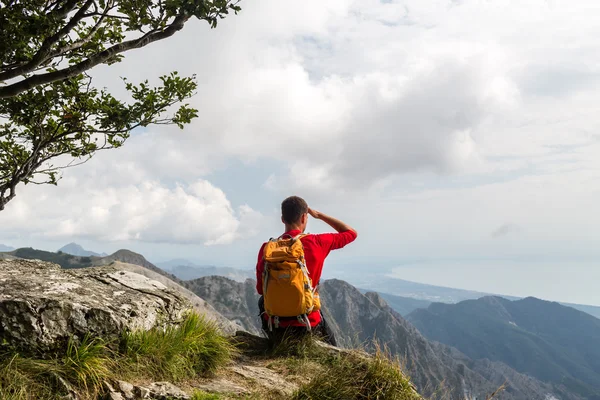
{"x": 300, "y": 236}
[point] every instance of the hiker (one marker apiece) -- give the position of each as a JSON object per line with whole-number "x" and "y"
{"x": 289, "y": 269}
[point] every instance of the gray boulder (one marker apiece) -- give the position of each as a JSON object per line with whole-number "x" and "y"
{"x": 42, "y": 304}
{"x": 200, "y": 305}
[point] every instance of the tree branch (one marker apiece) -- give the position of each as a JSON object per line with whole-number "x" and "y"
{"x": 77, "y": 44}
{"x": 10, "y": 186}
{"x": 26, "y": 84}
{"x": 44, "y": 51}
{"x": 64, "y": 10}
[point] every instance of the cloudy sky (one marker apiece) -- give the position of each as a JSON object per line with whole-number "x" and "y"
{"x": 459, "y": 137}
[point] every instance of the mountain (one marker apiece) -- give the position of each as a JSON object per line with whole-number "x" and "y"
{"x": 65, "y": 260}
{"x": 357, "y": 318}
{"x": 68, "y": 261}
{"x": 167, "y": 265}
{"x": 130, "y": 257}
{"x": 4, "y": 248}
{"x": 235, "y": 300}
{"x": 187, "y": 270}
{"x": 592, "y": 310}
{"x": 546, "y": 340}
{"x": 187, "y": 273}
{"x": 399, "y": 287}
{"x": 386, "y": 285}
{"x": 76, "y": 250}
{"x": 402, "y": 305}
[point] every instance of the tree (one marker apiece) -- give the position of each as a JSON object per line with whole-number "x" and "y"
{"x": 50, "y": 111}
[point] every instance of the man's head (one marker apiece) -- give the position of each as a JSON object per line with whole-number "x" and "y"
{"x": 294, "y": 213}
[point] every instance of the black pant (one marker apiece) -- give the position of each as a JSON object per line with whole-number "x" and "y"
{"x": 322, "y": 331}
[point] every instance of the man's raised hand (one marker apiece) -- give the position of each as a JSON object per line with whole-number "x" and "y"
{"x": 334, "y": 223}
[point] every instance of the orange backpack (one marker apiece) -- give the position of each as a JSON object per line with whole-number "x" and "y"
{"x": 287, "y": 287}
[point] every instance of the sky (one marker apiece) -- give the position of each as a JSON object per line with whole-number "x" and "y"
{"x": 459, "y": 137}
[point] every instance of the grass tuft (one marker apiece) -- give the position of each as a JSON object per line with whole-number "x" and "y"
{"x": 193, "y": 348}
{"x": 293, "y": 345}
{"x": 82, "y": 368}
{"x": 18, "y": 385}
{"x": 86, "y": 365}
{"x": 201, "y": 395}
{"x": 348, "y": 376}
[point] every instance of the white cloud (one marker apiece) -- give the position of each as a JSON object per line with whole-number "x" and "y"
{"x": 146, "y": 211}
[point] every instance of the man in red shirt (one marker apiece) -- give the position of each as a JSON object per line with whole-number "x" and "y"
{"x": 294, "y": 215}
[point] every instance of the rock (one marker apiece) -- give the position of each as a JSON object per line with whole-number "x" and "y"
{"x": 126, "y": 388}
{"x": 250, "y": 344}
{"x": 223, "y": 386}
{"x": 199, "y": 304}
{"x": 115, "y": 396}
{"x": 42, "y": 304}
{"x": 112, "y": 393}
{"x": 266, "y": 378}
{"x": 142, "y": 392}
{"x": 166, "y": 391}
{"x": 160, "y": 391}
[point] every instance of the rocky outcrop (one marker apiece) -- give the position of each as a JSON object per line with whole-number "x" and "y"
{"x": 199, "y": 304}
{"x": 121, "y": 390}
{"x": 42, "y": 305}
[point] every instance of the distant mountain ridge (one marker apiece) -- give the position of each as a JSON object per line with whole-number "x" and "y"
{"x": 187, "y": 270}
{"x": 402, "y": 305}
{"x": 76, "y": 250}
{"x": 546, "y": 340}
{"x": 4, "y": 248}
{"x": 174, "y": 263}
{"x": 437, "y": 294}
{"x": 69, "y": 261}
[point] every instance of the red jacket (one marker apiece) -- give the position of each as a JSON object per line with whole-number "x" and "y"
{"x": 316, "y": 249}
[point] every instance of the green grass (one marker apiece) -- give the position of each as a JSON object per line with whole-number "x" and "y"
{"x": 200, "y": 395}
{"x": 302, "y": 346}
{"x": 81, "y": 368}
{"x": 351, "y": 376}
{"x": 193, "y": 348}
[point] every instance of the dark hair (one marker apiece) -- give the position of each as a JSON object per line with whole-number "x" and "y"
{"x": 292, "y": 209}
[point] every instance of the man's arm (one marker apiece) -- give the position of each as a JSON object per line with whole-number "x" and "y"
{"x": 336, "y": 224}
{"x": 332, "y": 241}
